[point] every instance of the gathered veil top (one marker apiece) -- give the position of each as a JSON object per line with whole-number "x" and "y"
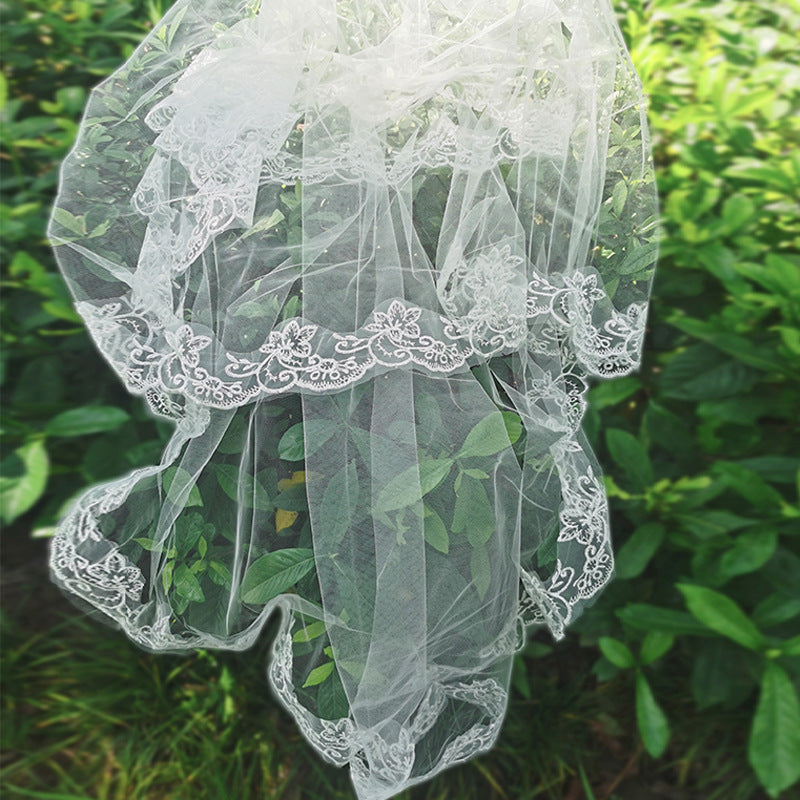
{"x": 367, "y": 255}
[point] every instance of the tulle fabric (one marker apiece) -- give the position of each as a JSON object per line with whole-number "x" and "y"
{"x": 416, "y": 229}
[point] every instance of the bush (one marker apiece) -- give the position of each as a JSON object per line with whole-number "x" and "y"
{"x": 700, "y": 629}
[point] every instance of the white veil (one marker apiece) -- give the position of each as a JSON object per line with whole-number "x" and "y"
{"x": 365, "y": 253}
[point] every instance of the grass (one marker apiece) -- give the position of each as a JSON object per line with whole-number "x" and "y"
{"x": 87, "y": 714}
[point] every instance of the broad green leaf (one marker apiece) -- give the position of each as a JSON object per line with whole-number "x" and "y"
{"x": 611, "y": 393}
{"x": 750, "y": 551}
{"x": 339, "y": 503}
{"x": 29, "y": 467}
{"x": 636, "y": 553}
{"x": 294, "y": 498}
{"x": 86, "y": 420}
{"x": 791, "y": 647}
{"x": 720, "y": 674}
{"x": 723, "y": 615}
{"x": 668, "y": 430}
{"x": 264, "y": 224}
{"x": 488, "y": 437}
{"x": 749, "y": 484}
{"x": 411, "y": 485}
{"x": 712, "y": 524}
{"x": 646, "y": 617}
{"x": 241, "y": 486}
{"x": 639, "y": 259}
{"x": 309, "y": 632}
{"x": 653, "y": 723}
{"x": 189, "y": 528}
{"x": 774, "y": 749}
{"x": 274, "y": 573}
{"x": 304, "y": 439}
{"x": 480, "y": 570}
{"x": 655, "y": 645}
{"x": 175, "y": 480}
{"x": 776, "y": 609}
{"x": 628, "y": 452}
{"x": 187, "y": 585}
{"x": 331, "y": 699}
{"x": 701, "y": 372}
{"x": 435, "y": 531}
{"x": 616, "y": 652}
{"x": 220, "y": 574}
{"x": 513, "y": 423}
{"x": 473, "y": 512}
{"x": 319, "y": 674}
{"x": 166, "y": 575}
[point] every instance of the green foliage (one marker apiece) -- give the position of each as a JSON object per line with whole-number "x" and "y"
{"x": 702, "y": 456}
{"x": 699, "y": 630}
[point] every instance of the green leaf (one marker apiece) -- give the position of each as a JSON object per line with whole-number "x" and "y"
{"x": 639, "y": 259}
{"x": 701, "y": 372}
{"x": 653, "y": 723}
{"x": 776, "y": 609}
{"x": 339, "y": 503}
{"x": 655, "y": 645}
{"x": 723, "y": 615}
{"x": 480, "y": 570}
{"x": 86, "y": 420}
{"x": 309, "y": 632}
{"x": 175, "y": 480}
{"x": 295, "y": 498}
{"x": 332, "y": 700}
{"x": 435, "y": 531}
{"x": 720, "y": 674}
{"x": 319, "y": 674}
{"x": 274, "y": 573}
{"x": 513, "y": 423}
{"x": 628, "y": 452}
{"x": 611, "y": 393}
{"x": 774, "y": 749}
{"x": 187, "y": 585}
{"x": 791, "y": 647}
{"x": 750, "y": 551}
{"x": 646, "y": 617}
{"x": 616, "y": 652}
{"x": 242, "y": 487}
{"x": 29, "y": 467}
{"x": 305, "y": 438}
{"x": 411, "y": 485}
{"x": 636, "y": 553}
{"x": 220, "y": 574}
{"x": 473, "y": 512}
{"x": 488, "y": 437}
{"x": 166, "y": 575}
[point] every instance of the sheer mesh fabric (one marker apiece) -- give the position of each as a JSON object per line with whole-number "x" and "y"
{"x": 416, "y": 229}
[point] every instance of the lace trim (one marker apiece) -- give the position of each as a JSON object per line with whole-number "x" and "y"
{"x": 301, "y": 356}
{"x": 374, "y": 762}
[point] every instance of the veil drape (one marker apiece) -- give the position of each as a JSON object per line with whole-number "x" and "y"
{"x": 366, "y": 255}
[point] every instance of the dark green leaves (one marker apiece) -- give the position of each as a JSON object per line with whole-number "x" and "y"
{"x": 86, "y": 420}
{"x": 774, "y": 749}
{"x": 339, "y": 502}
{"x": 23, "y": 479}
{"x": 411, "y": 485}
{"x": 723, "y": 615}
{"x": 488, "y": 437}
{"x": 652, "y": 722}
{"x": 305, "y": 438}
{"x": 473, "y": 512}
{"x": 275, "y": 573}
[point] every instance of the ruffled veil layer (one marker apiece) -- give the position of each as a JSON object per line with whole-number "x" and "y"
{"x": 390, "y": 239}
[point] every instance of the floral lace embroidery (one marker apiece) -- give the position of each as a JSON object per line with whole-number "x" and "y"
{"x": 304, "y": 356}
